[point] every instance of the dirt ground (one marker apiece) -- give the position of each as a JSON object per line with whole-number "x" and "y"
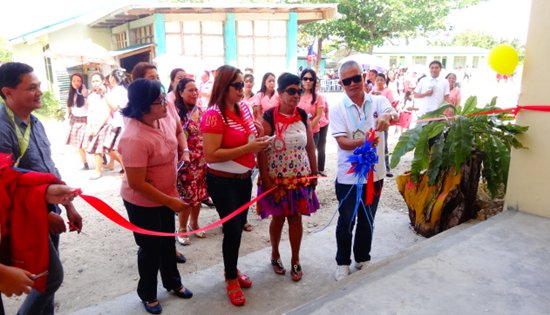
{"x": 101, "y": 263}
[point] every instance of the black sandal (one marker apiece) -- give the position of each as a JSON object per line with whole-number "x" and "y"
{"x": 296, "y": 272}
{"x": 278, "y": 267}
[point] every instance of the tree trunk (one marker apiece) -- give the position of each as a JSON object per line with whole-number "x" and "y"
{"x": 447, "y": 203}
{"x": 319, "y": 55}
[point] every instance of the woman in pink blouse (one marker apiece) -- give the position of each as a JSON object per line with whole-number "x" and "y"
{"x": 149, "y": 150}
{"x": 266, "y": 97}
{"x": 454, "y": 94}
{"x": 311, "y": 102}
{"x": 230, "y": 142}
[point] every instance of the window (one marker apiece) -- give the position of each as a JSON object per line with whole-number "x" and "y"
{"x": 261, "y": 45}
{"x": 393, "y": 61}
{"x": 475, "y": 62}
{"x": 143, "y": 35}
{"x": 201, "y": 42}
{"x": 459, "y": 62}
{"x": 121, "y": 40}
{"x": 420, "y": 60}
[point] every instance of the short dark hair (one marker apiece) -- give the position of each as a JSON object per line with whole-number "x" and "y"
{"x": 10, "y": 74}
{"x": 140, "y": 69}
{"x": 436, "y": 62}
{"x": 285, "y": 80}
{"x": 141, "y": 94}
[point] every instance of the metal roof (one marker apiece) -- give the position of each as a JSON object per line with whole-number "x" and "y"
{"x": 306, "y": 12}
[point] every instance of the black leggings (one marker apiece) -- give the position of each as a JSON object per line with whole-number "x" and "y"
{"x": 321, "y": 145}
{"x": 228, "y": 195}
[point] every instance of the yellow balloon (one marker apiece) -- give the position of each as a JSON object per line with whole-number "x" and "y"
{"x": 503, "y": 59}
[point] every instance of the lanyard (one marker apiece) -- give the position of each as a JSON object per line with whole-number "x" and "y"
{"x": 22, "y": 138}
{"x": 359, "y": 124}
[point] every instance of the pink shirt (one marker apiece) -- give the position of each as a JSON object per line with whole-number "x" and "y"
{"x": 155, "y": 149}
{"x": 454, "y": 95}
{"x": 266, "y": 102}
{"x": 311, "y": 109}
{"x": 385, "y": 92}
{"x": 234, "y": 134}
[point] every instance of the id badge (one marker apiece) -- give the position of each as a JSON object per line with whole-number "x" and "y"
{"x": 358, "y": 134}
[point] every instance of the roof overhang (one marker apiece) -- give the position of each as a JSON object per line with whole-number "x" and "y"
{"x": 306, "y": 12}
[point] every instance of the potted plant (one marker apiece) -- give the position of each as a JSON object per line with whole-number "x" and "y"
{"x": 450, "y": 156}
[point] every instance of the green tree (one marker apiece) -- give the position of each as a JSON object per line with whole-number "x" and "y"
{"x": 5, "y": 50}
{"x": 475, "y": 38}
{"x": 367, "y": 23}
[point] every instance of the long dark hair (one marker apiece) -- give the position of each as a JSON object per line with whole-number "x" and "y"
{"x": 180, "y": 104}
{"x": 263, "y": 88}
{"x": 314, "y": 87}
{"x": 249, "y": 76}
{"x": 121, "y": 78}
{"x": 224, "y": 76}
{"x": 80, "y": 100}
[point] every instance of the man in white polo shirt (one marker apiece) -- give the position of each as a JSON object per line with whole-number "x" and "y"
{"x": 350, "y": 121}
{"x": 431, "y": 91}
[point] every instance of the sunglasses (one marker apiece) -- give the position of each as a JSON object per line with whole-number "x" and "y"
{"x": 237, "y": 85}
{"x": 308, "y": 79}
{"x": 356, "y": 79}
{"x": 293, "y": 91}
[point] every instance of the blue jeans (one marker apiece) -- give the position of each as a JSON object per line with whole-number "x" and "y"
{"x": 228, "y": 195}
{"x": 155, "y": 253}
{"x": 38, "y": 303}
{"x": 362, "y": 242}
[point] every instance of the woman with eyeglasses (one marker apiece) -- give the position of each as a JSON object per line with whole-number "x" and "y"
{"x": 149, "y": 150}
{"x": 288, "y": 164}
{"x": 231, "y": 138}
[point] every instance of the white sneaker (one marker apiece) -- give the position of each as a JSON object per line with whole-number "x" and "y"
{"x": 342, "y": 271}
{"x": 358, "y": 266}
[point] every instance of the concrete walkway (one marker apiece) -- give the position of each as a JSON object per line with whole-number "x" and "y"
{"x": 271, "y": 293}
{"x": 500, "y": 266}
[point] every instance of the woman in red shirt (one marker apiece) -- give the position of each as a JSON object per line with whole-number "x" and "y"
{"x": 231, "y": 138}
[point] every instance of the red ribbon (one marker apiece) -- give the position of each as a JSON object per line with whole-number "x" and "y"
{"x": 513, "y": 110}
{"x": 114, "y": 216}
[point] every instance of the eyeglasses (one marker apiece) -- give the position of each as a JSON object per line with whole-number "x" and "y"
{"x": 161, "y": 102}
{"x": 355, "y": 79}
{"x": 293, "y": 91}
{"x": 310, "y": 79}
{"x": 237, "y": 85}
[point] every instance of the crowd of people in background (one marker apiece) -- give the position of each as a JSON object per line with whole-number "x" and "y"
{"x": 205, "y": 141}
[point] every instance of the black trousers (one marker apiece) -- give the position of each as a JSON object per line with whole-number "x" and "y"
{"x": 228, "y": 195}
{"x": 155, "y": 253}
{"x": 321, "y": 145}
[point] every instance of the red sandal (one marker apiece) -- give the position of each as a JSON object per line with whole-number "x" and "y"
{"x": 235, "y": 294}
{"x": 244, "y": 280}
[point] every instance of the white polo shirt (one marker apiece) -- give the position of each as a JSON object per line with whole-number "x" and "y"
{"x": 439, "y": 85}
{"x": 344, "y": 118}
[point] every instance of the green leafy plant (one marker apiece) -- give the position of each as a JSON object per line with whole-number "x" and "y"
{"x": 444, "y": 145}
{"x": 50, "y": 107}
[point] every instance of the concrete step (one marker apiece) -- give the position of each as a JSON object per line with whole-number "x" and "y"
{"x": 499, "y": 266}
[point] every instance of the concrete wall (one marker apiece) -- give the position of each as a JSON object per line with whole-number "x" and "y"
{"x": 529, "y": 179}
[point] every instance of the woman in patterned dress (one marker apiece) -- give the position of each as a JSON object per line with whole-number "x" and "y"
{"x": 287, "y": 164}
{"x": 191, "y": 176}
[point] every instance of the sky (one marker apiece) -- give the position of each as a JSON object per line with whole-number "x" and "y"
{"x": 502, "y": 18}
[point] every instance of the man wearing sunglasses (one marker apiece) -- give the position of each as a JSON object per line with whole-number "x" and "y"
{"x": 351, "y": 120}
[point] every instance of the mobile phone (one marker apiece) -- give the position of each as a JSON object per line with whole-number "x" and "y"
{"x": 180, "y": 165}
{"x": 34, "y": 277}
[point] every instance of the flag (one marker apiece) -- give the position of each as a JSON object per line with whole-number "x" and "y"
{"x": 312, "y": 52}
